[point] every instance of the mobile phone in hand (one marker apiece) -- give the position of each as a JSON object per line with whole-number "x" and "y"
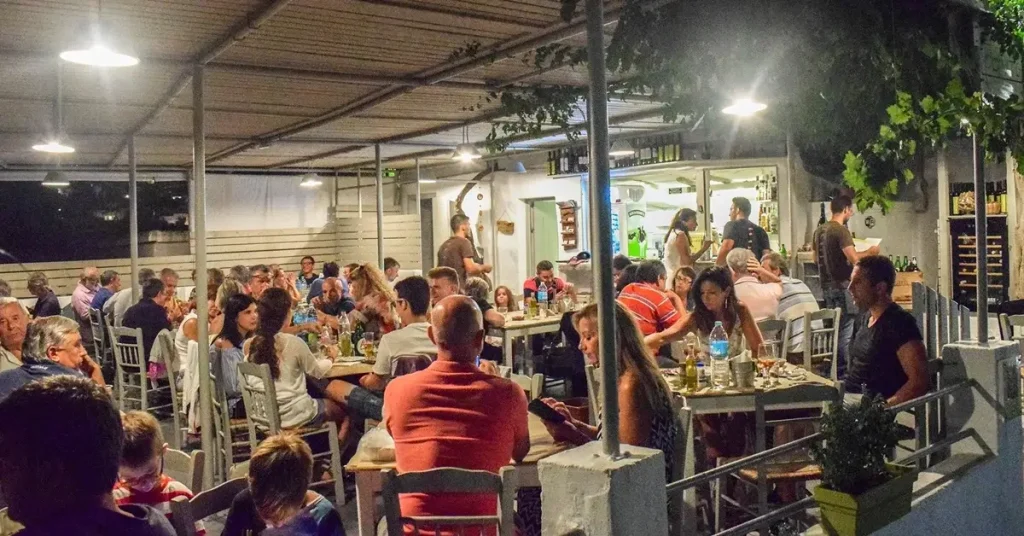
{"x": 545, "y": 412}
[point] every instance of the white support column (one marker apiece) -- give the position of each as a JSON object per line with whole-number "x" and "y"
{"x": 133, "y": 220}
{"x": 202, "y": 308}
{"x": 380, "y": 208}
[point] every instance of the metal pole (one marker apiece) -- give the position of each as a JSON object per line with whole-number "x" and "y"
{"x": 202, "y": 308}
{"x": 981, "y": 238}
{"x": 133, "y": 219}
{"x": 359, "y": 190}
{"x": 380, "y": 207}
{"x": 601, "y": 227}
{"x": 419, "y": 192}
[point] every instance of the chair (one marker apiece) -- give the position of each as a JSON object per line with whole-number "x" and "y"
{"x": 533, "y": 385}
{"x": 98, "y": 324}
{"x": 1007, "y": 323}
{"x": 775, "y": 335}
{"x": 449, "y": 480}
{"x": 262, "y": 415}
{"x": 593, "y": 393}
{"x": 130, "y": 375}
{"x": 409, "y": 363}
{"x": 179, "y": 417}
{"x": 822, "y": 344}
{"x": 186, "y": 468}
{"x": 185, "y": 512}
{"x": 229, "y": 435}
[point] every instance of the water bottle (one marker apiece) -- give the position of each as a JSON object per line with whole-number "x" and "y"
{"x": 542, "y": 297}
{"x": 300, "y": 285}
{"x": 719, "y": 343}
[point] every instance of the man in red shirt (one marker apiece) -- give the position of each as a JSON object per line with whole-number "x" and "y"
{"x": 546, "y": 275}
{"x": 653, "y": 308}
{"x": 453, "y": 415}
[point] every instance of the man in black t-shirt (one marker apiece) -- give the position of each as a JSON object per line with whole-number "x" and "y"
{"x": 887, "y": 355}
{"x": 742, "y": 233}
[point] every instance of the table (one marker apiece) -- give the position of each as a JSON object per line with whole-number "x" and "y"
{"x": 369, "y": 482}
{"x": 809, "y": 393}
{"x": 524, "y": 328}
{"x": 342, "y": 370}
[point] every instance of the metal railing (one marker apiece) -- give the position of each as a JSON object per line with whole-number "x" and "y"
{"x": 759, "y": 458}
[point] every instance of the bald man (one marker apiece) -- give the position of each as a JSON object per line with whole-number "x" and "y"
{"x": 454, "y": 415}
{"x": 333, "y": 301}
{"x": 81, "y": 299}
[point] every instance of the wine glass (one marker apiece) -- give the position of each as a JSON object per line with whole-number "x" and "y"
{"x": 366, "y": 344}
{"x": 767, "y": 358}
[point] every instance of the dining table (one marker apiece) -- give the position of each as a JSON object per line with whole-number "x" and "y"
{"x": 524, "y": 327}
{"x": 345, "y": 369}
{"x": 799, "y": 389}
{"x": 367, "y": 472}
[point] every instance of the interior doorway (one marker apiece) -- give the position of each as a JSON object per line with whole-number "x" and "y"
{"x": 543, "y": 241}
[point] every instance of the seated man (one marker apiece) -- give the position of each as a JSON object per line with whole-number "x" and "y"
{"x": 259, "y": 280}
{"x": 653, "y": 308}
{"x": 176, "y": 308}
{"x": 122, "y": 299}
{"x": 391, "y": 269}
{"x": 887, "y": 355}
{"x": 53, "y": 347}
{"x": 110, "y": 283}
{"x": 761, "y": 298}
{"x": 546, "y": 275}
{"x": 317, "y": 288}
{"x": 60, "y": 444}
{"x": 47, "y": 303}
{"x": 444, "y": 282}
{"x": 796, "y": 300}
{"x": 81, "y": 298}
{"x": 332, "y": 301}
{"x": 149, "y": 314}
{"x": 454, "y": 415}
{"x": 307, "y": 275}
{"x": 13, "y": 325}
{"x": 5, "y": 289}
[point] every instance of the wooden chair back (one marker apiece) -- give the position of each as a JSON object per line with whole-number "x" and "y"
{"x": 98, "y": 325}
{"x": 409, "y": 363}
{"x": 1007, "y": 323}
{"x": 186, "y": 468}
{"x": 593, "y": 392}
{"x": 449, "y": 480}
{"x": 130, "y": 380}
{"x": 185, "y": 512}
{"x": 222, "y": 436}
{"x": 775, "y": 334}
{"x": 533, "y": 385}
{"x": 822, "y": 343}
{"x": 260, "y": 399}
{"x": 165, "y": 339}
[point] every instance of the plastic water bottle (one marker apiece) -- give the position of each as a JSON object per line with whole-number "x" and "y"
{"x": 300, "y": 285}
{"x": 719, "y": 343}
{"x": 542, "y": 296}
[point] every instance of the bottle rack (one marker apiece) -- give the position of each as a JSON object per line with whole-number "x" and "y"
{"x": 965, "y": 261}
{"x": 570, "y": 229}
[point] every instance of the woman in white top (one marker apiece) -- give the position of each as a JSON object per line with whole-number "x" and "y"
{"x": 189, "y": 331}
{"x": 290, "y": 362}
{"x": 677, "y": 241}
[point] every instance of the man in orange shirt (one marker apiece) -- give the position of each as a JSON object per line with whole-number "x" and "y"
{"x": 453, "y": 415}
{"x": 653, "y": 308}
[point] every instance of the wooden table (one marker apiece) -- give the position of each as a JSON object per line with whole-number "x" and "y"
{"x": 812, "y": 392}
{"x": 368, "y": 473}
{"x": 524, "y": 328}
{"x": 342, "y": 370}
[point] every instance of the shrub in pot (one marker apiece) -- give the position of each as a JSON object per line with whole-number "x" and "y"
{"x": 860, "y": 492}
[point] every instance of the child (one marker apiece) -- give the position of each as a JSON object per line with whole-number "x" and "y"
{"x": 278, "y": 501}
{"x": 142, "y": 479}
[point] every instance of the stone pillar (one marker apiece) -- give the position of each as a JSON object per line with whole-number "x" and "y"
{"x": 588, "y": 494}
{"x": 993, "y": 409}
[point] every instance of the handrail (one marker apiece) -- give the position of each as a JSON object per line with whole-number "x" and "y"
{"x": 937, "y": 446}
{"x": 759, "y": 521}
{"x": 928, "y": 397}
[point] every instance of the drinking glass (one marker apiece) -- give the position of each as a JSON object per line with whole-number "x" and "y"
{"x": 767, "y": 359}
{"x": 503, "y": 311}
{"x": 366, "y": 344}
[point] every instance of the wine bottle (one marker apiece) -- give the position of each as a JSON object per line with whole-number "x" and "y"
{"x": 821, "y": 219}
{"x": 913, "y": 265}
{"x": 1002, "y": 198}
{"x": 906, "y": 264}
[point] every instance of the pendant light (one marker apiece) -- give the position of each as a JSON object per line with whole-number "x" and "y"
{"x": 55, "y": 179}
{"x": 97, "y": 45}
{"x": 465, "y": 151}
{"x": 744, "y": 108}
{"x": 621, "y": 148}
{"x": 311, "y": 180}
{"x": 57, "y": 144}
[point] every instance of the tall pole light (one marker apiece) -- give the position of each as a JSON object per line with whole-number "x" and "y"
{"x": 133, "y": 219}
{"x": 199, "y": 228}
{"x": 380, "y": 207}
{"x": 601, "y": 227}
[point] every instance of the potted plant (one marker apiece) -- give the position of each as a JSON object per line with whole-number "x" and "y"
{"x": 860, "y": 492}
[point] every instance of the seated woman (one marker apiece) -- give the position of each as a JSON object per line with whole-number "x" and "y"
{"x": 681, "y": 284}
{"x": 189, "y": 330}
{"x": 290, "y": 361}
{"x": 285, "y": 281}
{"x": 375, "y": 300}
{"x": 477, "y": 290}
{"x": 240, "y": 322}
{"x": 503, "y": 297}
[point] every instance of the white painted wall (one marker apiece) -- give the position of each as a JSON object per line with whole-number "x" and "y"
{"x": 249, "y": 202}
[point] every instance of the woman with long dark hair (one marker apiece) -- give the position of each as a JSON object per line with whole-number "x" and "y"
{"x": 240, "y": 321}
{"x": 678, "y": 244}
{"x": 290, "y": 361}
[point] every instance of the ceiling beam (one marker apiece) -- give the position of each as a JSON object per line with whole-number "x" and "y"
{"x": 433, "y": 75}
{"x": 439, "y": 9}
{"x": 238, "y": 32}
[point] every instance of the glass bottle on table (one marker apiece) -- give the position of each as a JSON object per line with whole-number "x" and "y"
{"x": 692, "y": 382}
{"x": 344, "y": 336}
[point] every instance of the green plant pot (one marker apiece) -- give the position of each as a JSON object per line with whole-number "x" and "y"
{"x": 843, "y": 514}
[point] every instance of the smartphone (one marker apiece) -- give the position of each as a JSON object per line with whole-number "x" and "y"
{"x": 545, "y": 412}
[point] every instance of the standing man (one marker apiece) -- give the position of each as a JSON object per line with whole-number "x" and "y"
{"x": 835, "y": 255}
{"x": 740, "y": 232}
{"x": 458, "y": 252}
{"x": 111, "y": 284}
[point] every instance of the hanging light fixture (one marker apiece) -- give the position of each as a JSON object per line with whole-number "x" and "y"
{"x": 57, "y": 144}
{"x": 465, "y": 151}
{"x": 517, "y": 167}
{"x": 621, "y": 148}
{"x": 744, "y": 108}
{"x": 55, "y": 179}
{"x": 98, "y": 46}
{"x": 310, "y": 180}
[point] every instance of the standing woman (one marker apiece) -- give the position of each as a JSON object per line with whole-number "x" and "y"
{"x": 677, "y": 241}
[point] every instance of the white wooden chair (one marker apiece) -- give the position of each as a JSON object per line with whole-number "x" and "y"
{"x": 185, "y": 512}
{"x": 593, "y": 393}
{"x": 230, "y": 435}
{"x": 186, "y": 468}
{"x": 132, "y": 385}
{"x": 822, "y": 343}
{"x": 1007, "y": 323}
{"x": 775, "y": 335}
{"x": 449, "y": 480}
{"x": 263, "y": 417}
{"x": 98, "y": 325}
{"x": 533, "y": 385}
{"x": 179, "y": 416}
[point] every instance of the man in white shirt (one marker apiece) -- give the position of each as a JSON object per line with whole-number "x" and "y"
{"x": 81, "y": 299}
{"x": 119, "y": 303}
{"x": 413, "y": 304}
{"x": 761, "y": 298}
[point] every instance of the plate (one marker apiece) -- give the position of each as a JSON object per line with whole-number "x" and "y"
{"x": 352, "y": 359}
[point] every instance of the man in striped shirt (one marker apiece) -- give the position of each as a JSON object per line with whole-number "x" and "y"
{"x": 653, "y": 308}
{"x": 796, "y": 298}
{"x": 141, "y": 471}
